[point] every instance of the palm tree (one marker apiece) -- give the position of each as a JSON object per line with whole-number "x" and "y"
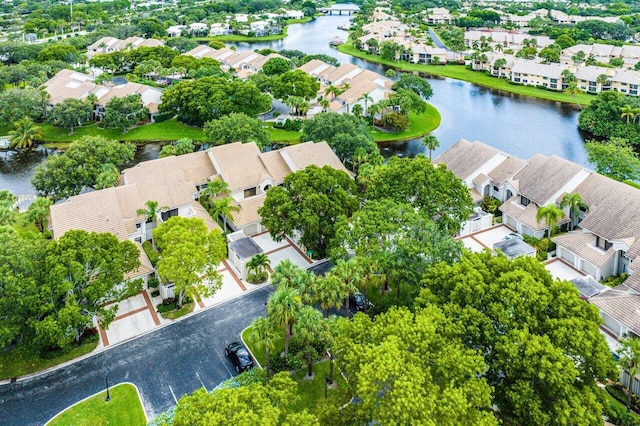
{"x": 373, "y": 110}
{"x": 324, "y": 103}
{"x": 333, "y": 91}
{"x": 258, "y": 264}
{"x": 366, "y": 98}
{"x": 151, "y": 211}
{"x": 630, "y": 361}
{"x": 329, "y": 293}
{"x": 626, "y": 112}
{"x": 431, "y": 143}
{"x": 551, "y": 214}
{"x": 38, "y": 212}
{"x": 305, "y": 282}
{"x": 24, "y": 133}
{"x": 309, "y": 325}
{"x": 574, "y": 91}
{"x": 108, "y": 176}
{"x": 575, "y": 204}
{"x": 357, "y": 110}
{"x": 264, "y": 337}
{"x": 212, "y": 190}
{"x": 282, "y": 307}
{"x": 223, "y": 208}
{"x": 348, "y": 275}
{"x": 284, "y": 273}
{"x": 602, "y": 80}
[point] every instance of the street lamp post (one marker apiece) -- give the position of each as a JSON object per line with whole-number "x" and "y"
{"x": 106, "y": 382}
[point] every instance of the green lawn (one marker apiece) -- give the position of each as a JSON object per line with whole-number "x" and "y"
{"x": 311, "y": 392}
{"x": 299, "y": 21}
{"x": 460, "y": 72}
{"x": 124, "y": 409}
{"x": 419, "y": 125}
{"x": 260, "y": 354}
{"x": 23, "y": 360}
{"x": 281, "y": 135}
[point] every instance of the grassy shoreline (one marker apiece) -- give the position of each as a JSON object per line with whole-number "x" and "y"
{"x": 460, "y": 72}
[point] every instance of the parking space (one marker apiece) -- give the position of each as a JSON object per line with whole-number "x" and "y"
{"x": 267, "y": 244}
{"x": 562, "y": 270}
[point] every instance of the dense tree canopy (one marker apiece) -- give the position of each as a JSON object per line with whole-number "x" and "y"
{"x": 236, "y": 127}
{"x": 614, "y": 158}
{"x": 70, "y": 113}
{"x": 189, "y": 256}
{"x": 123, "y": 112}
{"x": 345, "y": 133}
{"x": 294, "y": 83}
{"x": 82, "y": 272}
{"x": 19, "y": 103}
{"x": 541, "y": 343}
{"x": 309, "y": 202}
{"x": 276, "y": 66}
{"x": 436, "y": 191}
{"x": 415, "y": 83}
{"x": 209, "y": 98}
{"x": 411, "y": 368}
{"x": 603, "y": 117}
{"x": 66, "y": 174}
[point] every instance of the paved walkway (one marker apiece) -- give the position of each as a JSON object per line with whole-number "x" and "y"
{"x": 138, "y": 315}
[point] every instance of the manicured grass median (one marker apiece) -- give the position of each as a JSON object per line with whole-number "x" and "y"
{"x": 22, "y": 360}
{"x": 460, "y": 72}
{"x": 123, "y": 409}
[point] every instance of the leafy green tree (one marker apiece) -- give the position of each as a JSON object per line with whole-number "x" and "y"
{"x": 24, "y": 134}
{"x": 124, "y": 112}
{"x": 209, "y": 98}
{"x": 549, "y": 54}
{"x": 276, "y": 66}
{"x": 294, "y": 83}
{"x": 415, "y": 83}
{"x": 16, "y": 104}
{"x": 309, "y": 203}
{"x": 309, "y": 326}
{"x": 601, "y": 117}
{"x": 276, "y": 403}
{"x": 70, "y": 113}
{"x": 108, "y": 176}
{"x": 575, "y": 204}
{"x": 516, "y": 316}
{"x": 615, "y": 159}
{"x": 236, "y": 127}
{"x": 528, "y": 52}
{"x": 436, "y": 191}
{"x": 189, "y": 256}
{"x": 282, "y": 307}
{"x": 395, "y": 365}
{"x": 82, "y": 271}
{"x": 629, "y": 361}
{"x": 357, "y": 110}
{"x": 343, "y": 132}
{"x": 59, "y": 52}
{"x": 21, "y": 273}
{"x": 78, "y": 167}
{"x": 551, "y": 215}
{"x": 38, "y": 212}
{"x": 168, "y": 151}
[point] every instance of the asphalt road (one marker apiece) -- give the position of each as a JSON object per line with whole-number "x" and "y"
{"x": 165, "y": 365}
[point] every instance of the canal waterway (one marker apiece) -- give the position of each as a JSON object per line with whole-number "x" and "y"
{"x": 518, "y": 125}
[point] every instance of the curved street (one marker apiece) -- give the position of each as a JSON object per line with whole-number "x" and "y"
{"x": 165, "y": 365}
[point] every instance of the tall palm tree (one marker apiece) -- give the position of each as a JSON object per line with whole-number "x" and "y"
{"x": 284, "y": 273}
{"x": 333, "y": 91}
{"x": 551, "y": 214}
{"x": 151, "y": 211}
{"x": 38, "y": 212}
{"x": 357, "y": 110}
{"x": 309, "y": 325}
{"x": 630, "y": 361}
{"x": 324, "y": 103}
{"x": 305, "y": 282}
{"x": 602, "y": 80}
{"x": 329, "y": 293}
{"x": 282, "y": 307}
{"x": 223, "y": 208}
{"x": 431, "y": 143}
{"x": 573, "y": 90}
{"x": 258, "y": 263}
{"x": 24, "y": 133}
{"x": 373, "y": 110}
{"x": 348, "y": 275}
{"x": 213, "y": 189}
{"x": 575, "y": 204}
{"x": 626, "y": 111}
{"x": 264, "y": 337}
{"x": 366, "y": 98}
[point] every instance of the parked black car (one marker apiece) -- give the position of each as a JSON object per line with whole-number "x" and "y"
{"x": 360, "y": 302}
{"x": 239, "y": 356}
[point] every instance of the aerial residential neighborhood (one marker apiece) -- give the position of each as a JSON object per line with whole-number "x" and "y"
{"x": 285, "y": 212}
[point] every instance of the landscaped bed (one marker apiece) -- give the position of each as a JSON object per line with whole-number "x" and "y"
{"x": 123, "y": 408}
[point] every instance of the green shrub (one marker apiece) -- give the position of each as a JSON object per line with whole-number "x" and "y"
{"x": 490, "y": 205}
{"x": 130, "y": 289}
{"x": 395, "y": 120}
{"x": 162, "y": 116}
{"x": 153, "y": 255}
{"x": 257, "y": 278}
{"x": 614, "y": 280}
{"x": 153, "y": 282}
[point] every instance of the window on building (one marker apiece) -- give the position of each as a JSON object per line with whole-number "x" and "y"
{"x": 138, "y": 225}
{"x": 524, "y": 201}
{"x": 138, "y": 240}
{"x": 250, "y": 192}
{"x": 603, "y": 244}
{"x": 496, "y": 189}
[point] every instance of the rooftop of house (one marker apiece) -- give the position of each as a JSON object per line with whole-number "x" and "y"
{"x": 465, "y": 157}
{"x": 621, "y": 305}
{"x": 245, "y": 248}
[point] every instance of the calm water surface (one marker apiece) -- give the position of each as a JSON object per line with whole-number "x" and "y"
{"x": 515, "y": 124}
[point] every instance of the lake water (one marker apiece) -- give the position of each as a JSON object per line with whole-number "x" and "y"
{"x": 516, "y": 124}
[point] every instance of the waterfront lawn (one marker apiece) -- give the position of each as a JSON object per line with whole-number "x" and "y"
{"x": 164, "y": 131}
{"x": 299, "y": 21}
{"x": 419, "y": 125}
{"x": 460, "y": 72}
{"x": 23, "y": 360}
{"x": 124, "y": 408}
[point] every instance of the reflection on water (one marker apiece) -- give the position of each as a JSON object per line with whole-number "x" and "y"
{"x": 513, "y": 123}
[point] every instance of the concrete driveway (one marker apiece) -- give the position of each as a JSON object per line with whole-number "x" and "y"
{"x": 486, "y": 238}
